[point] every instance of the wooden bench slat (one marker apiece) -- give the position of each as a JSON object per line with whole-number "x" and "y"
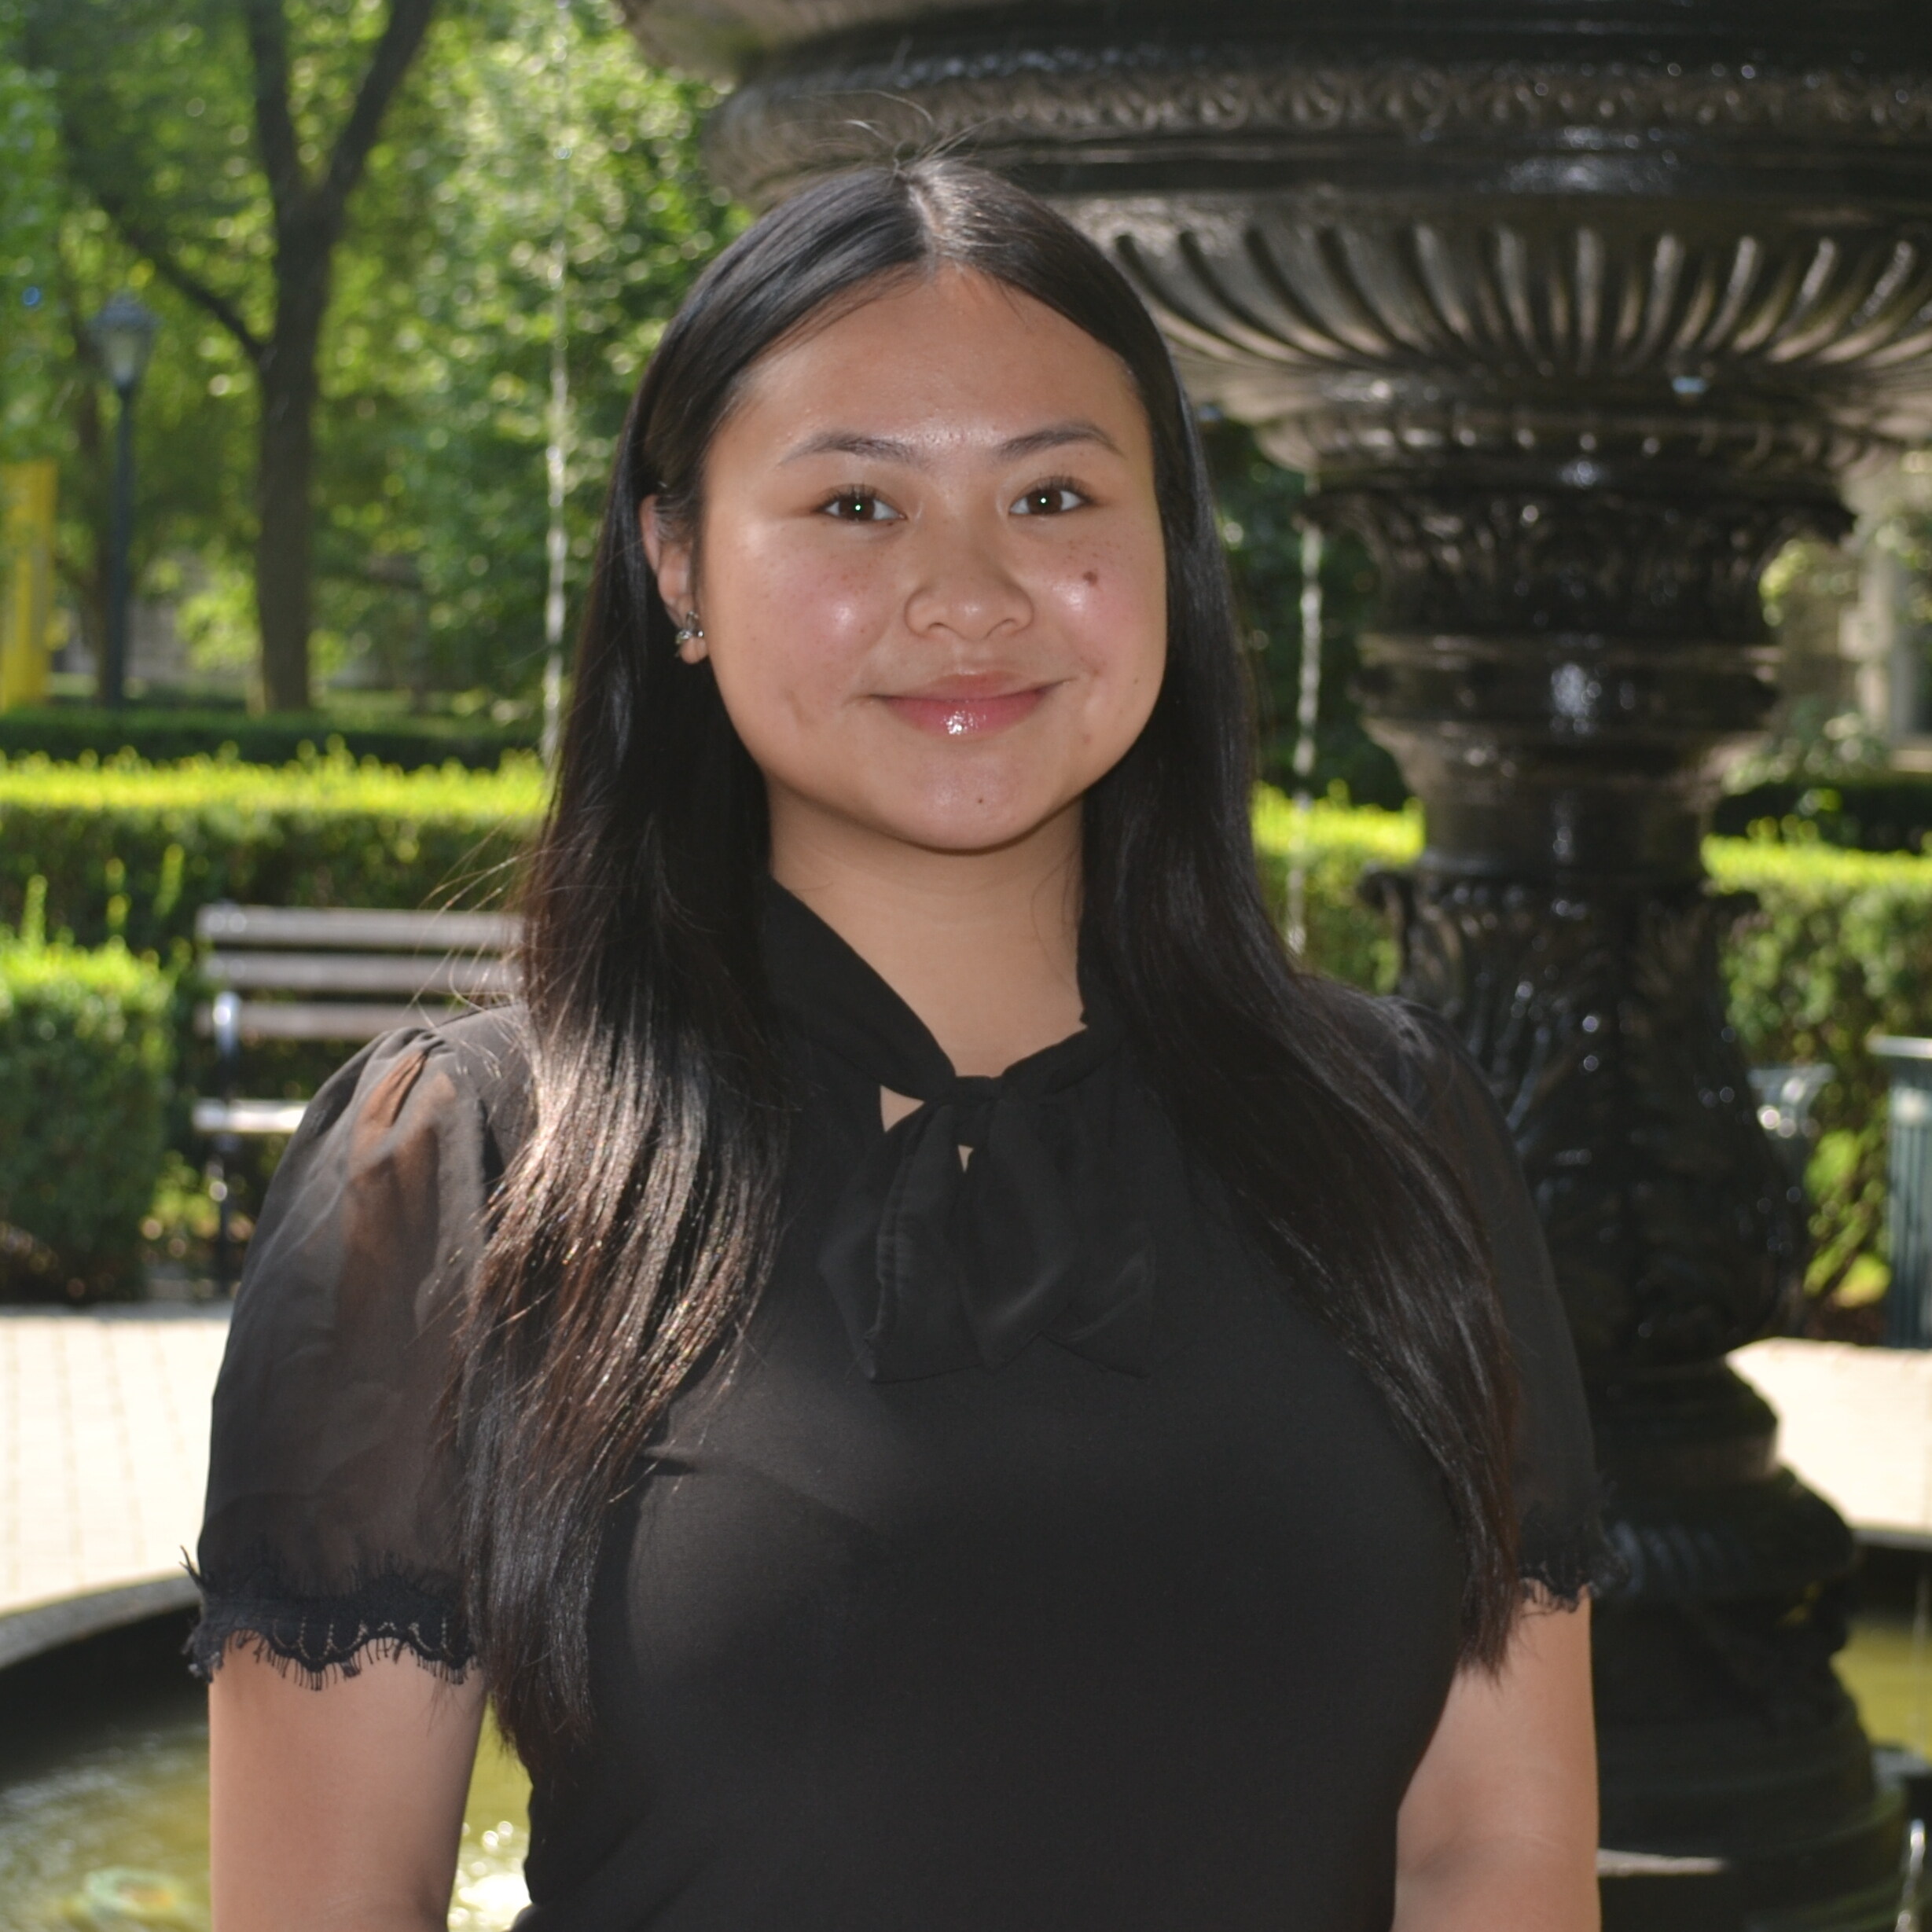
{"x": 351, "y": 926}
{"x": 331, "y": 972}
{"x": 340, "y": 1019}
{"x": 249, "y": 1117}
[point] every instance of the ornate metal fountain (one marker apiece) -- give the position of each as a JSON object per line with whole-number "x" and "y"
{"x": 1577, "y": 309}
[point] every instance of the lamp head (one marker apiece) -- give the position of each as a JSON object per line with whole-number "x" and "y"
{"x": 123, "y": 334}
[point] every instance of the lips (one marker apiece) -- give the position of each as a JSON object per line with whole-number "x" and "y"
{"x": 967, "y": 707}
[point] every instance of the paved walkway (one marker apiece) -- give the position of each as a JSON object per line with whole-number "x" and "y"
{"x": 104, "y": 1454}
{"x": 1857, "y": 1424}
{"x": 103, "y": 1459}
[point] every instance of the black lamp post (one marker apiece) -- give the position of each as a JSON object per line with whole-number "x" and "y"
{"x": 124, "y": 337}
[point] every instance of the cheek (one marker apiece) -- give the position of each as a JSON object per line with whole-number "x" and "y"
{"x": 1113, "y": 607}
{"x": 791, "y": 630}
{"x": 775, "y": 584}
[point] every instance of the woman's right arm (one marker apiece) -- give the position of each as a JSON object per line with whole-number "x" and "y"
{"x": 344, "y": 1696}
{"x": 337, "y": 1809}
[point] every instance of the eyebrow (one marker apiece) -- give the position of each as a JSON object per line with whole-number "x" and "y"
{"x": 891, "y": 449}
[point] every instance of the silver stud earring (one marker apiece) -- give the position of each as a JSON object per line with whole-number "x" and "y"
{"x": 690, "y": 631}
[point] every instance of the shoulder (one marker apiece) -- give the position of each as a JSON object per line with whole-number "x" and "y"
{"x": 383, "y": 1194}
{"x": 477, "y": 1064}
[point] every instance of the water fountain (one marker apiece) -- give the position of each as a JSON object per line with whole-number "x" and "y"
{"x": 1577, "y": 309}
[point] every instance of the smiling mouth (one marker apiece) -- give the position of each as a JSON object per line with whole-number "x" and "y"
{"x": 965, "y": 708}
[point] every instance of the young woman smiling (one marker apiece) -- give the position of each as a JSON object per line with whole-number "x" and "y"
{"x": 936, "y": 1382}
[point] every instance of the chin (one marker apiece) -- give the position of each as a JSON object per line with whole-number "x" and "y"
{"x": 980, "y": 826}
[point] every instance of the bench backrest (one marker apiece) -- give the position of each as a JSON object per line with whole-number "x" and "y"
{"x": 345, "y": 975}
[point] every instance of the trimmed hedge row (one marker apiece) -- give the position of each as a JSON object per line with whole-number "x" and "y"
{"x": 86, "y": 1043}
{"x": 132, "y": 851}
{"x": 1878, "y": 814}
{"x": 162, "y": 734}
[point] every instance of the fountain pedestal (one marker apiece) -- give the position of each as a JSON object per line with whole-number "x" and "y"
{"x": 1577, "y": 309}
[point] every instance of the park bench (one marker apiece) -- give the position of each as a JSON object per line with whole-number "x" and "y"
{"x": 336, "y": 976}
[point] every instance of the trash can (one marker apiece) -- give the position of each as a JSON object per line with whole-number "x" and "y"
{"x": 1908, "y": 1179}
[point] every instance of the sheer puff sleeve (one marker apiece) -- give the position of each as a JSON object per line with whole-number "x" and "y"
{"x": 329, "y": 1529}
{"x": 1564, "y": 1553}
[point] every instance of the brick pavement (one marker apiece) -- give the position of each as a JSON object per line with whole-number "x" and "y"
{"x": 103, "y": 1460}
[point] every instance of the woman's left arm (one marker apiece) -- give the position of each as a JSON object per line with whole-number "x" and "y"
{"x": 1499, "y": 1825}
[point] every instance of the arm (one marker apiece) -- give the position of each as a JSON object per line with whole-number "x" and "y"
{"x": 336, "y": 1810}
{"x": 1499, "y": 1825}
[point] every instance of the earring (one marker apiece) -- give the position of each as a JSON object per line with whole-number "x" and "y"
{"x": 690, "y": 631}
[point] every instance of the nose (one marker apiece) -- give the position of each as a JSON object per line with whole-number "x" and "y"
{"x": 965, "y": 589}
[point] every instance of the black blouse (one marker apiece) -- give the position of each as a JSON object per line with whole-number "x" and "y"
{"x": 1035, "y": 1561}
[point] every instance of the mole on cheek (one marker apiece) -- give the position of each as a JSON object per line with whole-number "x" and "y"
{"x": 1092, "y": 577}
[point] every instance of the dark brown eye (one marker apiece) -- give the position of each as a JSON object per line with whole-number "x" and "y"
{"x": 1048, "y": 500}
{"x": 861, "y": 506}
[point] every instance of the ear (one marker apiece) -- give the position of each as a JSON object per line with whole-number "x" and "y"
{"x": 671, "y": 563}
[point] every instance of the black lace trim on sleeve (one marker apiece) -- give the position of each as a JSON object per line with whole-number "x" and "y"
{"x": 1564, "y": 1562}
{"x": 385, "y": 1614}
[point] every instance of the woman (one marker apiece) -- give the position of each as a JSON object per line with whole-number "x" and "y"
{"x": 932, "y": 1378}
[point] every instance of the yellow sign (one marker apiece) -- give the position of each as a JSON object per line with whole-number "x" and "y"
{"x": 26, "y": 580}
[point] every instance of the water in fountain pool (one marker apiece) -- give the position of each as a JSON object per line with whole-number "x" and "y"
{"x": 104, "y": 1794}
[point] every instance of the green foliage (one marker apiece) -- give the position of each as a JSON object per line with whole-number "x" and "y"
{"x": 166, "y": 735}
{"x": 1892, "y": 813}
{"x": 430, "y": 489}
{"x": 1259, "y": 502}
{"x": 30, "y": 212}
{"x": 432, "y": 556}
{"x": 135, "y": 850}
{"x": 84, "y": 1059}
{"x": 61, "y": 258}
{"x": 1840, "y": 949}
{"x": 1335, "y": 844}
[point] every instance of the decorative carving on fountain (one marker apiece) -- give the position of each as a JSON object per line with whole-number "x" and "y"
{"x": 1659, "y": 341}
{"x": 1644, "y": 567}
{"x": 1596, "y": 1016}
{"x": 1578, "y": 310}
{"x": 1061, "y": 91}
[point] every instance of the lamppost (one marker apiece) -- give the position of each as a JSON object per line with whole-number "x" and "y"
{"x": 123, "y": 335}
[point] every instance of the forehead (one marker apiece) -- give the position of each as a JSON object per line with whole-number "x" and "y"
{"x": 955, "y": 353}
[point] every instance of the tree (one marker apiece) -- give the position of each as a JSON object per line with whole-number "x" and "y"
{"x": 431, "y": 535}
{"x": 60, "y": 260}
{"x": 254, "y": 248}
{"x": 1260, "y": 504}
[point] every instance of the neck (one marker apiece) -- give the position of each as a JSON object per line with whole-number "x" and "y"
{"x": 983, "y": 947}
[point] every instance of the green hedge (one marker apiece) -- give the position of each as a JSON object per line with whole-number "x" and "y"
{"x": 85, "y": 1048}
{"x": 132, "y": 851}
{"x": 165, "y": 734}
{"x": 1890, "y": 814}
{"x": 1840, "y": 948}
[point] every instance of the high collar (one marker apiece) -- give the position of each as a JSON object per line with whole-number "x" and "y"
{"x": 822, "y": 987}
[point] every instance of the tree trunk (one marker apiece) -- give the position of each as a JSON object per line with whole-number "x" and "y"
{"x": 284, "y": 476}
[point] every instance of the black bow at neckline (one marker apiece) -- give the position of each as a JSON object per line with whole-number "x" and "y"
{"x": 1000, "y": 1210}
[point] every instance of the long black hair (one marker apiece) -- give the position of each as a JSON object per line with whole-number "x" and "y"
{"x": 636, "y": 1221}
